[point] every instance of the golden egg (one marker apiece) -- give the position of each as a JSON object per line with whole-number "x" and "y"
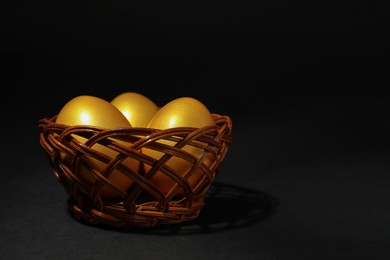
{"x": 89, "y": 110}
{"x": 137, "y": 108}
{"x": 180, "y": 112}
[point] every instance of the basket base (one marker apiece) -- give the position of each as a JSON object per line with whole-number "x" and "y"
{"x": 147, "y": 215}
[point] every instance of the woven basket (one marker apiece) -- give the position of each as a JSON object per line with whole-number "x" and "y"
{"x": 143, "y": 204}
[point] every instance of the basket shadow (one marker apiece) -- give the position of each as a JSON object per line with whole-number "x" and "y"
{"x": 226, "y": 207}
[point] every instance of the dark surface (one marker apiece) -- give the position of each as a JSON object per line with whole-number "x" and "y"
{"x": 306, "y": 85}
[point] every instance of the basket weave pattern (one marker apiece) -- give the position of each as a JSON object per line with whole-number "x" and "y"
{"x": 143, "y": 204}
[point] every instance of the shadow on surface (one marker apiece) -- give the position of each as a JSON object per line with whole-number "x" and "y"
{"x": 226, "y": 207}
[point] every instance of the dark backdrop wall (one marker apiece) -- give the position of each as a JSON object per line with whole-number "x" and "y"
{"x": 245, "y": 59}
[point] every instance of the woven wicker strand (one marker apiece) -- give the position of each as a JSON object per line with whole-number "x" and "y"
{"x": 143, "y": 205}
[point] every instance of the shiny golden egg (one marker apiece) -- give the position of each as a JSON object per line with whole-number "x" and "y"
{"x": 93, "y": 111}
{"x": 137, "y": 108}
{"x": 180, "y": 112}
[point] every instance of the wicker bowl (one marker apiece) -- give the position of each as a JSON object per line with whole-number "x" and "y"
{"x": 143, "y": 204}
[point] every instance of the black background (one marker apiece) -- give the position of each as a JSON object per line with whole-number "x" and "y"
{"x": 306, "y": 85}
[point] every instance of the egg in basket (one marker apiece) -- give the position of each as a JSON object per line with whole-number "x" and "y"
{"x": 129, "y": 163}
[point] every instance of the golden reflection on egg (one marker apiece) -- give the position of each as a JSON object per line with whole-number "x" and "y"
{"x": 180, "y": 112}
{"x": 137, "y": 108}
{"x": 94, "y": 111}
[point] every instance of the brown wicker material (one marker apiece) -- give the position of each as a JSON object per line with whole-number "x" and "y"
{"x": 143, "y": 204}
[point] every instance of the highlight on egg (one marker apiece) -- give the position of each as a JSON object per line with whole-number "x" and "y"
{"x": 136, "y": 107}
{"x": 180, "y": 112}
{"x": 94, "y": 111}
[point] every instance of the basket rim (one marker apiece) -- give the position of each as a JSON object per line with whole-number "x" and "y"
{"x": 218, "y": 118}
